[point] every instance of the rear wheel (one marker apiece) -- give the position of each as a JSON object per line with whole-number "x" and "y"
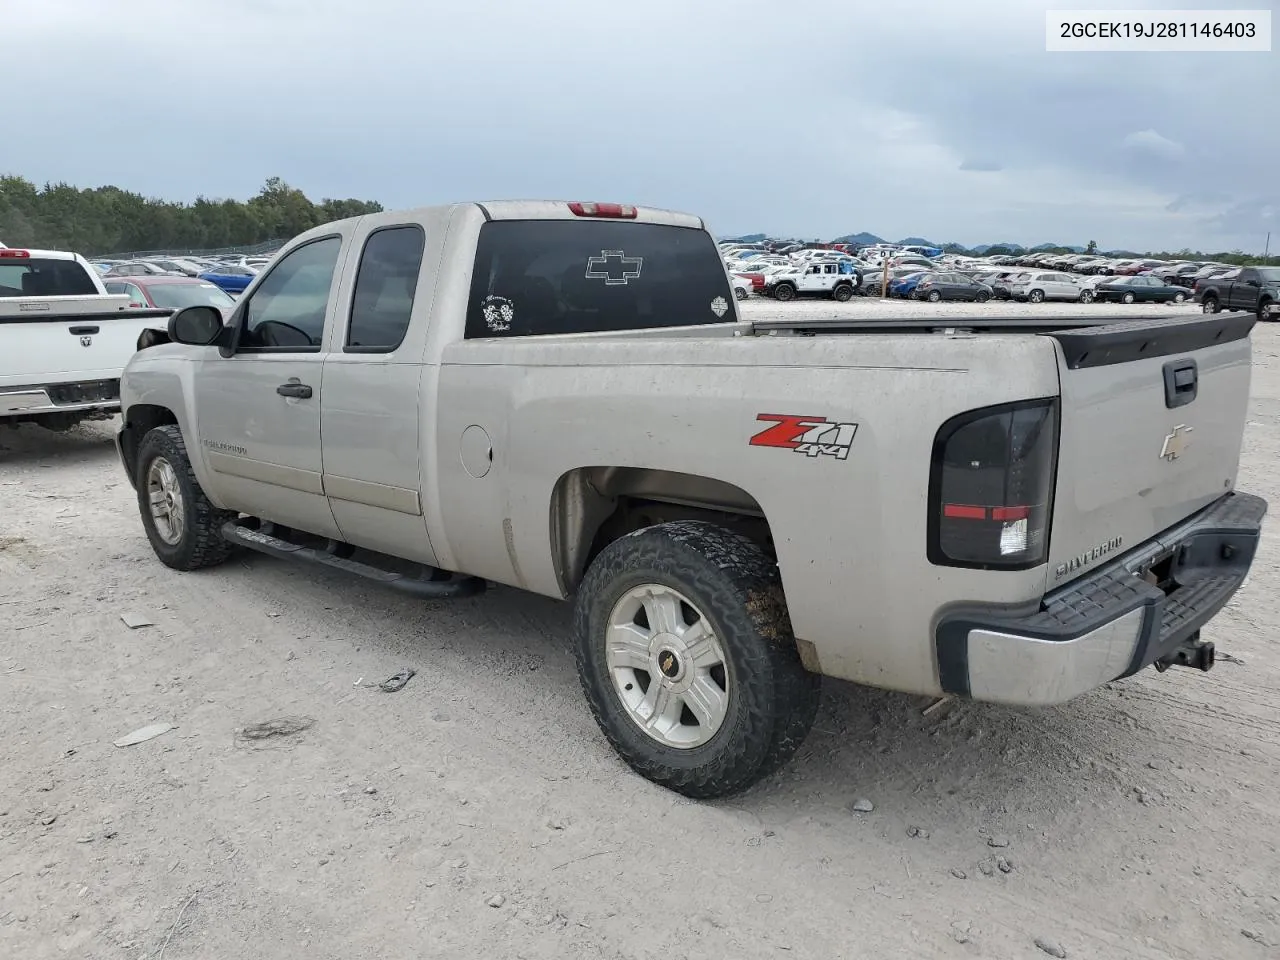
{"x": 1210, "y": 305}
{"x": 183, "y": 526}
{"x": 983, "y": 296}
{"x": 686, "y": 657}
{"x": 739, "y": 293}
{"x": 843, "y": 293}
{"x": 1036, "y": 296}
{"x": 784, "y": 292}
{"x": 1128, "y": 298}
{"x": 933, "y": 296}
{"x": 1263, "y": 311}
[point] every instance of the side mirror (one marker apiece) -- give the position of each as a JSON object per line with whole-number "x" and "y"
{"x": 196, "y": 326}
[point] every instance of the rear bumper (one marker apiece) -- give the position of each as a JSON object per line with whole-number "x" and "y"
{"x": 26, "y": 401}
{"x": 1106, "y": 625}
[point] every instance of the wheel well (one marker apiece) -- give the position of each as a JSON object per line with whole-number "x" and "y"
{"x": 593, "y": 506}
{"x": 141, "y": 419}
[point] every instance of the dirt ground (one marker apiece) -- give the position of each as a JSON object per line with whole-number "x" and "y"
{"x": 479, "y": 812}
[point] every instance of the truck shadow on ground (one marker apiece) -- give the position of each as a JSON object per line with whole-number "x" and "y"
{"x": 30, "y": 445}
{"x": 964, "y": 759}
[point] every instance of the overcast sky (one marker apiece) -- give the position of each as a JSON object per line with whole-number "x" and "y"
{"x": 934, "y": 118}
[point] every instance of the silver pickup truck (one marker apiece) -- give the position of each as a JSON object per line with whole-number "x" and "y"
{"x": 562, "y": 398}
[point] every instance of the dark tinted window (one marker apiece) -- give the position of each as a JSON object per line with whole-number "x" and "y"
{"x": 39, "y": 277}
{"x": 579, "y": 276}
{"x": 287, "y": 310}
{"x": 385, "y": 282}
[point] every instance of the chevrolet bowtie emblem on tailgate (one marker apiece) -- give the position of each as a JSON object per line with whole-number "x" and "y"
{"x": 1176, "y": 443}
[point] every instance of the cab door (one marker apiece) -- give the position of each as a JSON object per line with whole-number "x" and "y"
{"x": 258, "y": 410}
{"x": 811, "y": 279}
{"x": 375, "y": 395}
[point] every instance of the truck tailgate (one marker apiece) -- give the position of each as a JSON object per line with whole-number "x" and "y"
{"x": 1152, "y": 420}
{"x": 39, "y": 347}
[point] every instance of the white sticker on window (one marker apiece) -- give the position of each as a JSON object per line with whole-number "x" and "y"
{"x": 719, "y": 307}
{"x": 498, "y": 313}
{"x": 614, "y": 267}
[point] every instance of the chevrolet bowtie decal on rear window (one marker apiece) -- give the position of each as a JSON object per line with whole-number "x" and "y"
{"x": 614, "y": 267}
{"x": 812, "y": 436}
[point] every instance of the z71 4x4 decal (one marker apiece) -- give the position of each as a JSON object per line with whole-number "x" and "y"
{"x": 812, "y": 436}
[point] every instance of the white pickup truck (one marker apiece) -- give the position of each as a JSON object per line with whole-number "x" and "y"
{"x": 63, "y": 339}
{"x": 561, "y": 397}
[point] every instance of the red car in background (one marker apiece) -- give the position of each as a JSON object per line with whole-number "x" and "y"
{"x": 170, "y": 292}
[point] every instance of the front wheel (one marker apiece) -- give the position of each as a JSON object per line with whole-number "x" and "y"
{"x": 934, "y": 296}
{"x": 1179, "y": 298}
{"x": 1128, "y": 298}
{"x": 1264, "y": 312}
{"x": 983, "y": 296}
{"x": 739, "y": 293}
{"x": 686, "y": 657}
{"x": 184, "y": 527}
{"x": 1086, "y": 296}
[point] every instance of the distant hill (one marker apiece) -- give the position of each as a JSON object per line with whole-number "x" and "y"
{"x": 859, "y": 238}
{"x": 1057, "y": 246}
{"x": 917, "y": 242}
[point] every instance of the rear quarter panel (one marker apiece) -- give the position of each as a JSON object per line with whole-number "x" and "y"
{"x": 850, "y": 534}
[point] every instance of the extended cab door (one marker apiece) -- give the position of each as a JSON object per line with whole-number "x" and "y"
{"x": 258, "y": 410}
{"x": 374, "y": 392}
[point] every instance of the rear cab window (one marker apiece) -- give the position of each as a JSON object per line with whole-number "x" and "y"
{"x": 44, "y": 277}
{"x": 536, "y": 277}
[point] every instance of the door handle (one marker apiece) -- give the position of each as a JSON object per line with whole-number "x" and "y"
{"x": 81, "y": 331}
{"x": 294, "y": 389}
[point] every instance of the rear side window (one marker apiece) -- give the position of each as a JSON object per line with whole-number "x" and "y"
{"x": 38, "y": 277}
{"x": 537, "y": 277}
{"x": 385, "y": 283}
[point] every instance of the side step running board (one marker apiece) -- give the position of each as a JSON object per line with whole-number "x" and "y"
{"x": 233, "y": 532}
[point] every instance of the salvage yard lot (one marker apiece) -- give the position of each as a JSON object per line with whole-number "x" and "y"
{"x": 479, "y": 811}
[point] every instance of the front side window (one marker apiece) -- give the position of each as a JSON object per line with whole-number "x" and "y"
{"x": 537, "y": 277}
{"x": 385, "y": 283}
{"x": 287, "y": 310}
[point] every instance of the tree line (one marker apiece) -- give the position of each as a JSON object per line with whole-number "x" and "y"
{"x": 102, "y": 220}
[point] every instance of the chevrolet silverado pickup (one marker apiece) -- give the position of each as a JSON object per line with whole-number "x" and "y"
{"x": 1255, "y": 290}
{"x": 563, "y": 398}
{"x": 63, "y": 339}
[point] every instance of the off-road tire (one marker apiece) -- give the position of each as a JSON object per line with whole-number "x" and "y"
{"x": 784, "y": 292}
{"x": 772, "y": 698}
{"x": 843, "y": 292}
{"x": 201, "y": 543}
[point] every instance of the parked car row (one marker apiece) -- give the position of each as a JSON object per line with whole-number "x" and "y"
{"x": 839, "y": 272}
{"x": 231, "y": 273}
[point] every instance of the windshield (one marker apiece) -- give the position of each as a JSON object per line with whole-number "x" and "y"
{"x": 1269, "y": 273}
{"x": 175, "y": 296}
{"x": 579, "y": 276}
{"x": 40, "y": 277}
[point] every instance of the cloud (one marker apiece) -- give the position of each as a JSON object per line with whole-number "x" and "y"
{"x": 1150, "y": 141}
{"x": 720, "y": 107}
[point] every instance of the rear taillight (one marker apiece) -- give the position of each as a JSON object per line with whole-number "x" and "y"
{"x": 991, "y": 486}
{"x": 617, "y": 211}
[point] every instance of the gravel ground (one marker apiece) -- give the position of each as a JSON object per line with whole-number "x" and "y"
{"x": 479, "y": 812}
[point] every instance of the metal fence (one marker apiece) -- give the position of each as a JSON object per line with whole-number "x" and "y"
{"x": 257, "y": 249}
